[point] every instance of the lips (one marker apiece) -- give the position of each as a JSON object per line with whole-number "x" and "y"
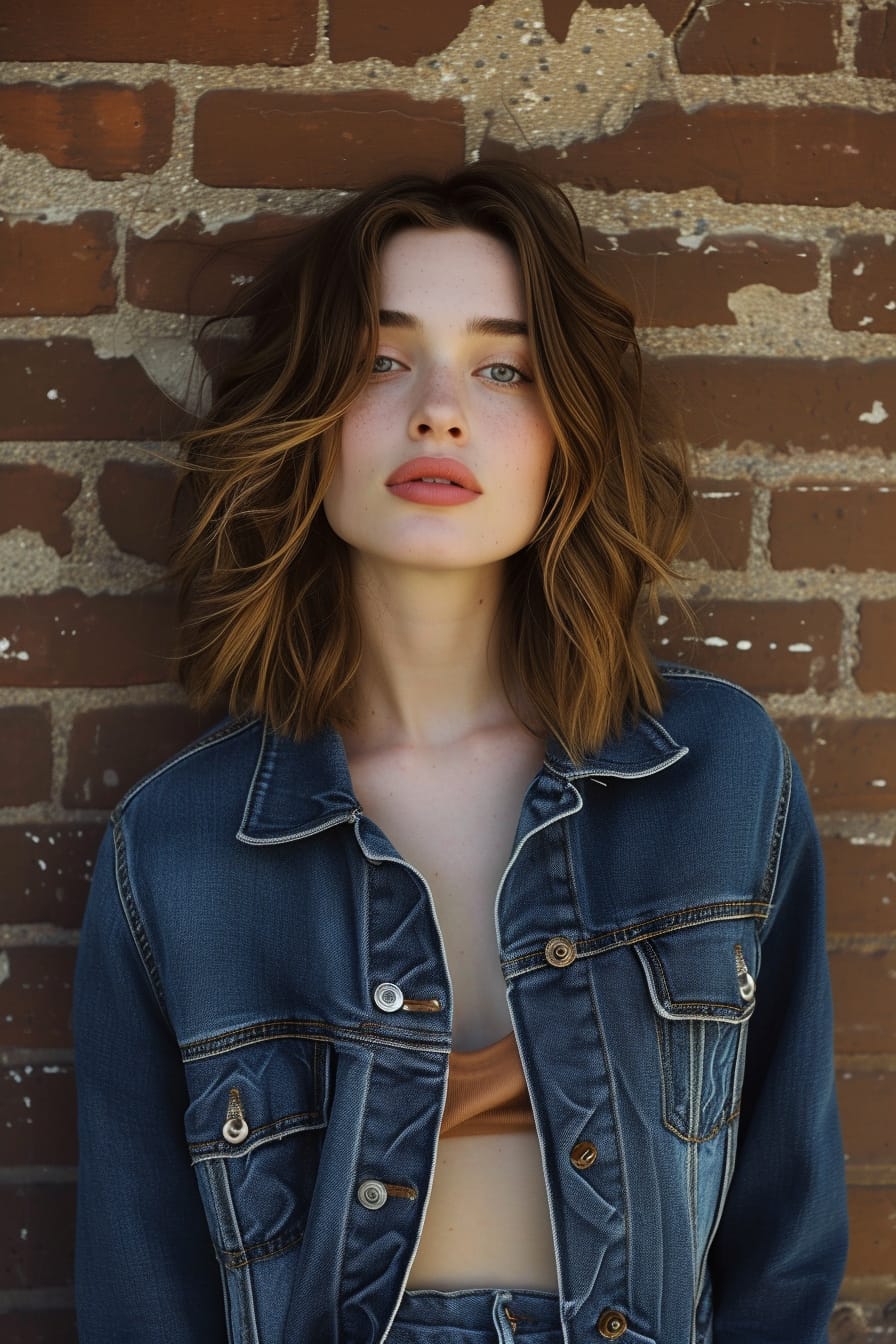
{"x": 435, "y": 469}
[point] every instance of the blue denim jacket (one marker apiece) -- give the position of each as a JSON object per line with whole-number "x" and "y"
{"x": 258, "y": 1125}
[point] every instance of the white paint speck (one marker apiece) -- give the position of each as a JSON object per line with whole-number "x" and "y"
{"x": 4, "y": 967}
{"x": 878, "y": 783}
{"x": 865, "y": 321}
{"x": 718, "y": 494}
{"x": 691, "y": 241}
{"x": 23, "y": 1234}
{"x": 859, "y": 270}
{"x": 716, "y": 642}
{"x": 744, "y": 644}
{"x": 110, "y": 779}
{"x": 799, "y": 648}
{"x": 9, "y": 654}
{"x": 876, "y": 415}
{"x": 661, "y": 620}
{"x": 53, "y": 394}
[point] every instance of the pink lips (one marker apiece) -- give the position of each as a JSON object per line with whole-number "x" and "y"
{"x": 407, "y": 481}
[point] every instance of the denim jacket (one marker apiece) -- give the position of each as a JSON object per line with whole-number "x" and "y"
{"x": 260, "y": 1103}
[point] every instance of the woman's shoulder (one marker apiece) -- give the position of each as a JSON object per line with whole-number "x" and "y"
{"x": 222, "y": 757}
{"x": 702, "y": 710}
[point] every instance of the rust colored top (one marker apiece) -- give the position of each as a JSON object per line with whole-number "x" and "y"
{"x": 487, "y": 1092}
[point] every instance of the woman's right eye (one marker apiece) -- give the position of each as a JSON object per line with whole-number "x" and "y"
{"x": 381, "y": 361}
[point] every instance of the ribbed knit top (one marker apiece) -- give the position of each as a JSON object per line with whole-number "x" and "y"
{"x": 487, "y": 1092}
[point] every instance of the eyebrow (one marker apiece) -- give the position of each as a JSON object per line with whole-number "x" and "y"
{"x": 477, "y": 326}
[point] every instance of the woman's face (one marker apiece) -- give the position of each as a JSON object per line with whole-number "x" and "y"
{"x": 453, "y": 384}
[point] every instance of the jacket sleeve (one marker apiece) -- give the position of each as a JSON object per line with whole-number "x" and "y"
{"x": 145, "y": 1268}
{"x": 777, "y": 1260}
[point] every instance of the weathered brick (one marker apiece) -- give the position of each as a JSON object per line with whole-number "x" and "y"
{"x": 847, "y": 763}
{"x": 57, "y": 268}
{"x": 46, "y": 872}
{"x": 863, "y": 282}
{"x": 110, "y": 749}
{"x": 557, "y": 13}
{"x": 348, "y": 140}
{"x": 820, "y": 524}
{"x": 720, "y": 533}
{"x": 35, "y": 497}
{"x": 395, "y": 30}
{"x": 136, "y": 499}
{"x": 837, "y": 404}
{"x": 59, "y": 388}
{"x": 671, "y": 279}
{"x": 865, "y": 1318}
{"x": 864, "y": 985}
{"x": 37, "y": 1116}
{"x": 788, "y": 155}
{"x": 765, "y": 37}
{"x": 867, "y": 1106}
{"x": 105, "y": 129}
{"x": 877, "y": 636}
{"x": 40, "y": 1327}
{"x": 43, "y": 1258}
{"x": 186, "y": 268}
{"x": 35, "y": 998}
{"x": 70, "y": 639}
{"x": 876, "y": 43}
{"x": 205, "y": 32}
{"x": 872, "y": 1242}
{"x": 861, "y": 887}
{"x": 764, "y": 646}
{"x": 25, "y": 734}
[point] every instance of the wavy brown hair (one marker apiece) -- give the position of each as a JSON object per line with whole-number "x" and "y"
{"x": 268, "y": 617}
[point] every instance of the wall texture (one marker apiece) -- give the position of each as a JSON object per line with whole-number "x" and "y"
{"x": 734, "y": 163}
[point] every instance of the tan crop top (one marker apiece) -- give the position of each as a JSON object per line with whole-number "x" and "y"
{"x": 487, "y": 1092}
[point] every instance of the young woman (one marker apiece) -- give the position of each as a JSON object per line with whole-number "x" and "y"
{"x": 469, "y": 982}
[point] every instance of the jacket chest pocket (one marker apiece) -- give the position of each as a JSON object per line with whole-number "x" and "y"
{"x": 702, "y": 983}
{"x": 255, "y": 1129}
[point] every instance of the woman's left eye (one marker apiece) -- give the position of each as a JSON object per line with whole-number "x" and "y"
{"x": 508, "y": 374}
{"x": 381, "y": 361}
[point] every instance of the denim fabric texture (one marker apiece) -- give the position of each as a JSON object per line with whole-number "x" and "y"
{"x": 258, "y": 1134}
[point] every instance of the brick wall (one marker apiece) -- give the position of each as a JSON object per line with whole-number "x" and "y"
{"x": 734, "y": 166}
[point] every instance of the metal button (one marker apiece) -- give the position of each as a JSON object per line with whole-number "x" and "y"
{"x": 388, "y": 997}
{"x": 372, "y": 1194}
{"x": 560, "y": 951}
{"x": 611, "y": 1324}
{"x": 583, "y": 1155}
{"x": 235, "y": 1130}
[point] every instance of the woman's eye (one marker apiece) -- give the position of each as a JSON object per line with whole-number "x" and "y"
{"x": 506, "y": 373}
{"x": 380, "y": 364}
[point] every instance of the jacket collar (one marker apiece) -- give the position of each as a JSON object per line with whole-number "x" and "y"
{"x": 300, "y": 788}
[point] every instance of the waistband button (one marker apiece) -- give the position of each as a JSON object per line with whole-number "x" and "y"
{"x": 611, "y": 1324}
{"x": 372, "y": 1194}
{"x": 388, "y": 997}
{"x": 560, "y": 951}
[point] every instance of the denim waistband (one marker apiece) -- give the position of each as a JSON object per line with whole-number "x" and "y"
{"x": 477, "y": 1316}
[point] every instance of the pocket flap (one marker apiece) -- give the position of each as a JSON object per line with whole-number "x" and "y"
{"x": 705, "y": 972}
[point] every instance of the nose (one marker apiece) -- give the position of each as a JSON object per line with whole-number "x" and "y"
{"x": 438, "y": 414}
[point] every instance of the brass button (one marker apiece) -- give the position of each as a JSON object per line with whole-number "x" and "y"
{"x": 611, "y": 1324}
{"x": 560, "y": 951}
{"x": 583, "y": 1155}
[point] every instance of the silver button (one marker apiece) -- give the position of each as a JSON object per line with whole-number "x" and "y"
{"x": 388, "y": 997}
{"x": 235, "y": 1130}
{"x": 560, "y": 951}
{"x": 372, "y": 1194}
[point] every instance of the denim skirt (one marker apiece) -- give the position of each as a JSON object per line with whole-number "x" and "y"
{"x": 477, "y": 1316}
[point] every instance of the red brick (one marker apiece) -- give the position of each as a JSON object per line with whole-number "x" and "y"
{"x": 186, "y": 268}
{"x": 847, "y": 763}
{"x": 791, "y": 646}
{"x": 60, "y": 389}
{"x": 789, "y": 155}
{"x": 557, "y": 13}
{"x": 347, "y": 140}
{"x": 864, "y": 985}
{"x": 872, "y": 1242}
{"x": 57, "y": 268}
{"x": 46, "y": 872}
{"x": 877, "y": 636}
{"x": 43, "y": 1258}
{"x": 820, "y": 524}
{"x": 37, "y": 1116}
{"x": 136, "y": 501}
{"x": 205, "y": 32}
{"x": 399, "y": 31}
{"x": 765, "y": 37}
{"x": 672, "y": 283}
{"x": 25, "y": 734}
{"x": 105, "y": 129}
{"x": 867, "y": 1106}
{"x": 876, "y": 44}
{"x": 70, "y": 639}
{"x": 785, "y": 403}
{"x": 40, "y": 1327}
{"x": 863, "y": 282}
{"x": 36, "y": 498}
{"x": 35, "y": 998}
{"x": 720, "y": 533}
{"x": 111, "y": 749}
{"x": 861, "y": 887}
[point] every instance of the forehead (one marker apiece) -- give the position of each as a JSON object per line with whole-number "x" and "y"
{"x": 443, "y": 271}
